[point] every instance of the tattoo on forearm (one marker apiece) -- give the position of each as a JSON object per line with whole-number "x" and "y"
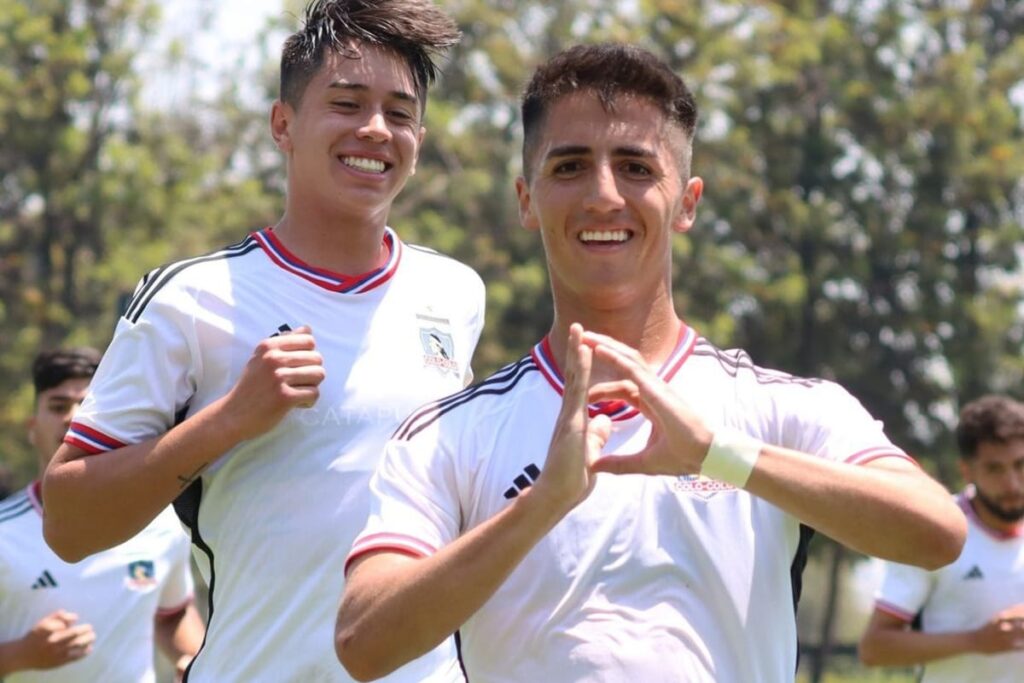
{"x": 186, "y": 480}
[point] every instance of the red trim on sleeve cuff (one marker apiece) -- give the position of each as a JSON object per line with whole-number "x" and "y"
{"x": 864, "y": 457}
{"x": 893, "y": 611}
{"x": 363, "y": 550}
{"x": 168, "y": 612}
{"x": 90, "y": 440}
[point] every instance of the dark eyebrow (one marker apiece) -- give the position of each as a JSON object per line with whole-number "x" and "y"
{"x": 583, "y": 150}
{"x": 359, "y": 87}
{"x": 642, "y": 152}
{"x": 567, "y": 151}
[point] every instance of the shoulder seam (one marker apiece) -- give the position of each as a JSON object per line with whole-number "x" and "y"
{"x": 425, "y": 250}
{"x": 732, "y": 364}
{"x": 433, "y": 252}
{"x": 154, "y": 281}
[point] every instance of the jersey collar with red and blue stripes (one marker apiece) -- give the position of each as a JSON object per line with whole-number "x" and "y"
{"x": 335, "y": 282}
{"x": 616, "y": 410}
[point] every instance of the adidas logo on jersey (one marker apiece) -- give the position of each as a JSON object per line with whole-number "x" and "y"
{"x": 975, "y": 573}
{"x": 523, "y": 481}
{"x": 45, "y": 580}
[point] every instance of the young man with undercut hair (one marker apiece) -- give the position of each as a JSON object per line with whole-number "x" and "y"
{"x": 627, "y": 502}
{"x": 96, "y": 620}
{"x": 971, "y": 613}
{"x": 267, "y": 454}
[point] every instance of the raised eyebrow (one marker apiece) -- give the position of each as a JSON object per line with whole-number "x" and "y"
{"x": 360, "y": 87}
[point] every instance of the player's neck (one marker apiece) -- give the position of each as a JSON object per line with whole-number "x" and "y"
{"x": 336, "y": 244}
{"x": 654, "y": 333}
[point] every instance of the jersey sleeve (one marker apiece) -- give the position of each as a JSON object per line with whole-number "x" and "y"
{"x": 178, "y": 589}
{"x": 477, "y": 295}
{"x": 414, "y": 506}
{"x": 147, "y": 374}
{"x": 904, "y": 591}
{"x": 824, "y": 419}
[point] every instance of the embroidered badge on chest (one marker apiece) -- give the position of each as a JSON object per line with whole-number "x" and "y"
{"x": 438, "y": 345}
{"x": 141, "y": 575}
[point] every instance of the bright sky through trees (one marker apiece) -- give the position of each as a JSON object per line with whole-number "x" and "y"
{"x": 185, "y": 56}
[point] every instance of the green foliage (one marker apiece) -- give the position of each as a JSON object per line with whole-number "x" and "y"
{"x": 96, "y": 190}
{"x": 862, "y": 163}
{"x": 861, "y": 218}
{"x": 862, "y": 204}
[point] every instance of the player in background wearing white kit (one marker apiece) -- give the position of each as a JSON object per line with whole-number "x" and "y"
{"x": 96, "y": 620}
{"x": 490, "y": 515}
{"x": 268, "y": 454}
{"x": 972, "y": 611}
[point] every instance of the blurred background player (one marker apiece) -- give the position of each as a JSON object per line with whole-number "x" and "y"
{"x": 971, "y": 611}
{"x": 96, "y": 620}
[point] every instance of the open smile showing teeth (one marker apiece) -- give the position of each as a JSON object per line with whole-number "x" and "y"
{"x": 364, "y": 164}
{"x": 604, "y": 235}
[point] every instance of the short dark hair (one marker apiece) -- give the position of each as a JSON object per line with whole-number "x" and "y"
{"x": 990, "y": 418}
{"x": 608, "y": 70}
{"x": 53, "y": 368}
{"x": 416, "y": 30}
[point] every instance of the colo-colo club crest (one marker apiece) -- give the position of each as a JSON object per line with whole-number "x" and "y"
{"x": 141, "y": 575}
{"x": 438, "y": 349}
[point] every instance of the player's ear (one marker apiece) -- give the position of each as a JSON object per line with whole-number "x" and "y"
{"x": 965, "y": 470}
{"x": 281, "y": 116}
{"x": 688, "y": 204}
{"x": 30, "y": 425}
{"x": 527, "y": 216}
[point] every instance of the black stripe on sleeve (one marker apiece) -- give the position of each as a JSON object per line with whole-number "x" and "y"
{"x": 733, "y": 363}
{"x": 499, "y": 383}
{"x": 155, "y": 281}
{"x": 15, "y": 507}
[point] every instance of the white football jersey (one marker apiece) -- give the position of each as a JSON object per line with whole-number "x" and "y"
{"x": 650, "y": 578}
{"x": 273, "y": 519}
{"x": 987, "y": 578}
{"x": 119, "y": 591}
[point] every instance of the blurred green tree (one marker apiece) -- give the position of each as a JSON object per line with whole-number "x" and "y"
{"x": 96, "y": 189}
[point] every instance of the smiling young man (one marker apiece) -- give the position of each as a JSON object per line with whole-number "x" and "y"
{"x": 267, "y": 454}
{"x": 971, "y": 612}
{"x": 490, "y": 515}
{"x": 96, "y": 620}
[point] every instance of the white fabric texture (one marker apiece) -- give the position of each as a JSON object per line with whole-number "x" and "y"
{"x": 652, "y": 579}
{"x": 278, "y": 513}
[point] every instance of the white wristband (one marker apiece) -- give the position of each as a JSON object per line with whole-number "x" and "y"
{"x": 731, "y": 457}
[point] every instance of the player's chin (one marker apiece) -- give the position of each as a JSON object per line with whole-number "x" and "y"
{"x": 1013, "y": 512}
